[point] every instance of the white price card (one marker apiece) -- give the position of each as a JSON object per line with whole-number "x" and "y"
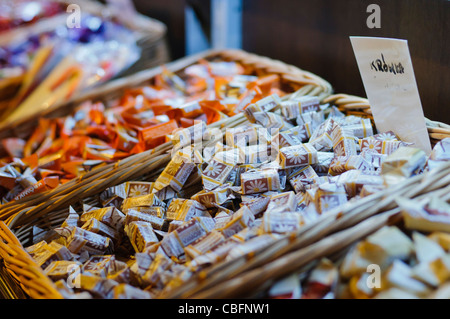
{"x": 388, "y": 77}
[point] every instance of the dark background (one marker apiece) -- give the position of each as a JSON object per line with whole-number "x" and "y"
{"x": 314, "y": 35}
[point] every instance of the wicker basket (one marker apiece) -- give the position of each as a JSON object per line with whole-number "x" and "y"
{"x": 150, "y": 37}
{"x": 298, "y": 81}
{"x": 331, "y": 234}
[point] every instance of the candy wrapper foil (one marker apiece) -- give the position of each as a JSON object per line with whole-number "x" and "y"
{"x": 382, "y": 146}
{"x": 403, "y": 163}
{"x": 321, "y": 136}
{"x": 175, "y": 174}
{"x": 439, "y": 154}
{"x": 296, "y": 135}
{"x": 354, "y": 180}
{"x": 133, "y": 215}
{"x": 216, "y": 173}
{"x": 283, "y": 202}
{"x": 184, "y": 210}
{"x": 242, "y": 136}
{"x": 174, "y": 243}
{"x": 299, "y": 175}
{"x": 269, "y": 103}
{"x": 110, "y": 216}
{"x": 297, "y": 155}
{"x": 304, "y": 104}
{"x": 62, "y": 269}
{"x": 96, "y": 226}
{"x": 141, "y": 235}
{"x": 98, "y": 265}
{"x": 272, "y": 121}
{"x": 344, "y": 142}
{"x": 329, "y": 196}
{"x": 281, "y": 222}
{"x": 341, "y": 164}
{"x": 204, "y": 244}
{"x": 241, "y": 219}
{"x": 260, "y": 181}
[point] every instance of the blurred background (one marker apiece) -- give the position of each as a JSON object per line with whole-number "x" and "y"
{"x": 314, "y": 35}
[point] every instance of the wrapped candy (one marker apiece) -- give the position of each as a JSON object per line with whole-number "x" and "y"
{"x": 329, "y": 196}
{"x": 45, "y": 254}
{"x": 281, "y": 222}
{"x": 175, "y": 174}
{"x": 297, "y": 155}
{"x": 62, "y": 269}
{"x": 218, "y": 196}
{"x": 242, "y": 135}
{"x": 354, "y": 180}
{"x": 266, "y": 104}
{"x": 216, "y": 173}
{"x": 260, "y": 181}
{"x": 241, "y": 219}
{"x": 439, "y": 154}
{"x": 174, "y": 243}
{"x": 96, "y": 226}
{"x": 141, "y": 235}
{"x": 283, "y": 202}
{"x": 83, "y": 240}
{"x": 341, "y": 164}
{"x": 321, "y": 138}
{"x": 133, "y": 215}
{"x": 361, "y": 129}
{"x": 300, "y": 175}
{"x": 420, "y": 217}
{"x": 185, "y": 209}
{"x": 402, "y": 163}
{"x": 295, "y": 135}
{"x": 149, "y": 204}
{"x": 272, "y": 121}
{"x": 343, "y": 141}
{"x": 204, "y": 244}
{"x": 383, "y": 143}
{"x": 304, "y": 104}
{"x": 110, "y": 216}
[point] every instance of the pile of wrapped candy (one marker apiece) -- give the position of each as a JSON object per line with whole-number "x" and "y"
{"x": 96, "y": 133}
{"x": 15, "y": 13}
{"x": 389, "y": 264}
{"x": 290, "y": 163}
{"x": 16, "y": 57}
{"x": 45, "y": 67}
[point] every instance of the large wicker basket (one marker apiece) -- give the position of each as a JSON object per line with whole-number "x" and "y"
{"x": 329, "y": 235}
{"x": 299, "y": 81}
{"x": 150, "y": 37}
